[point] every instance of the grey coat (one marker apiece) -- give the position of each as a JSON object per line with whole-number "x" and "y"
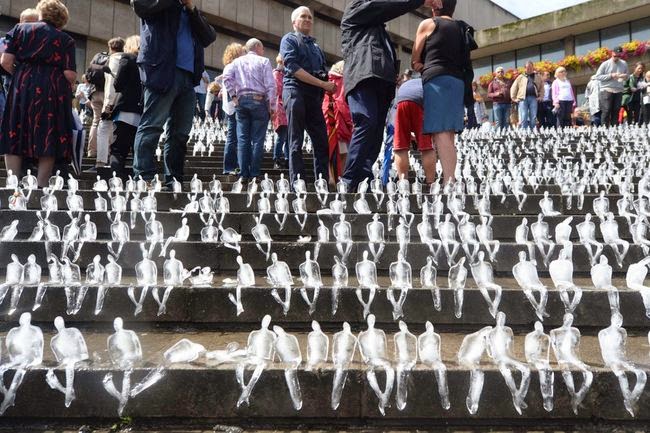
{"x": 367, "y": 49}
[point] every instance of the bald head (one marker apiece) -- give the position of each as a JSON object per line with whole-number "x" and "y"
{"x": 254, "y": 45}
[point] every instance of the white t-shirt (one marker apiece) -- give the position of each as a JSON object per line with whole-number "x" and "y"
{"x": 565, "y": 93}
{"x": 203, "y": 85}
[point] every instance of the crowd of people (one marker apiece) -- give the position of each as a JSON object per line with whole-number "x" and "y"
{"x": 612, "y": 96}
{"x": 155, "y": 82}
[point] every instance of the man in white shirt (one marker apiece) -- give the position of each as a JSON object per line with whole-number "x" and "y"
{"x": 201, "y": 92}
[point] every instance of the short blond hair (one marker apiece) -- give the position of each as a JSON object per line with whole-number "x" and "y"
{"x": 560, "y": 69}
{"x": 29, "y": 15}
{"x": 231, "y": 52}
{"x": 132, "y": 44}
{"x": 53, "y": 11}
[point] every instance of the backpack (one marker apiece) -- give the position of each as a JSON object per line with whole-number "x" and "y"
{"x": 95, "y": 71}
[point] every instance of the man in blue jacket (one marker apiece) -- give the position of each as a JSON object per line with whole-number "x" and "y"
{"x": 173, "y": 35}
{"x": 371, "y": 68}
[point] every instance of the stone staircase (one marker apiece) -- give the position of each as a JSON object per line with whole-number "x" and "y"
{"x": 203, "y": 392}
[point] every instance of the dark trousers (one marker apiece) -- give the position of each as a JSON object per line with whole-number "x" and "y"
{"x": 545, "y": 114}
{"x": 634, "y": 112}
{"x": 200, "y": 105}
{"x": 610, "y": 105}
{"x": 471, "y": 117}
{"x": 646, "y": 113}
{"x": 564, "y": 114}
{"x": 304, "y": 113}
{"x": 123, "y": 144}
{"x": 369, "y": 103}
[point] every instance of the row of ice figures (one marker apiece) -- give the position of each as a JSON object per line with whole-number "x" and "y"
{"x": 64, "y": 272}
{"x": 24, "y": 350}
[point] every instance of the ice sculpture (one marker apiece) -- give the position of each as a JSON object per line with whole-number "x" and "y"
{"x": 429, "y": 344}
{"x": 376, "y": 240}
{"x": 260, "y": 351}
{"x": 601, "y": 276}
{"x": 609, "y": 230}
{"x": 366, "y": 272}
{"x": 343, "y": 236}
{"x": 372, "y": 344}
{"x": 245, "y": 278}
{"x": 565, "y": 341}
{"x": 428, "y": 275}
{"x": 400, "y": 279}
{"x": 613, "y": 340}
{"x": 537, "y": 347}
{"x": 486, "y": 237}
{"x": 344, "y": 344}
{"x": 146, "y": 273}
{"x": 499, "y": 345}
{"x": 279, "y": 276}
{"x": 587, "y": 233}
{"x": 635, "y": 277}
{"x": 561, "y": 271}
{"x": 340, "y": 279}
{"x": 469, "y": 356}
{"x": 317, "y": 346}
{"x": 447, "y": 232}
{"x": 483, "y": 275}
{"x": 525, "y": 272}
{"x": 311, "y": 279}
{"x": 287, "y": 350}
{"x": 406, "y": 355}
{"x": 69, "y": 348}
{"x": 457, "y": 279}
{"x": 542, "y": 238}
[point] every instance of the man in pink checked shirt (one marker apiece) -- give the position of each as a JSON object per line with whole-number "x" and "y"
{"x": 250, "y": 81}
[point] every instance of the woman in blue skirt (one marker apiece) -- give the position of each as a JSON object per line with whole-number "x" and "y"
{"x": 437, "y": 56}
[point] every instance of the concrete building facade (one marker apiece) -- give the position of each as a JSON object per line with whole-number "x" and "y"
{"x": 573, "y": 31}
{"x": 93, "y": 22}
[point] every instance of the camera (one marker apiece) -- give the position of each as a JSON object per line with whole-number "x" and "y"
{"x": 321, "y": 75}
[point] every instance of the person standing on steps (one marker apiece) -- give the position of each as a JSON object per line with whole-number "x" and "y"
{"x": 612, "y": 74}
{"x": 173, "y": 36}
{"x": 304, "y": 84}
{"x": 370, "y": 73}
{"x": 250, "y": 84}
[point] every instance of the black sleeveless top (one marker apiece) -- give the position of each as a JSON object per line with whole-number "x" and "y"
{"x": 443, "y": 49}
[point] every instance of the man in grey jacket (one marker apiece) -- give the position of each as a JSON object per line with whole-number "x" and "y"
{"x": 612, "y": 74}
{"x": 371, "y": 68}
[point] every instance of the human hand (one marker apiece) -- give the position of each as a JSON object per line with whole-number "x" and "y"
{"x": 418, "y": 66}
{"x": 329, "y": 86}
{"x": 189, "y": 4}
{"x": 234, "y": 101}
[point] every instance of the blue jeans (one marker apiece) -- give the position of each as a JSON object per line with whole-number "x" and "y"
{"x": 528, "y": 112}
{"x": 230, "y": 163}
{"x": 502, "y": 114}
{"x": 252, "y": 120}
{"x": 304, "y": 113}
{"x": 369, "y": 103}
{"x": 174, "y": 110}
{"x": 281, "y": 147}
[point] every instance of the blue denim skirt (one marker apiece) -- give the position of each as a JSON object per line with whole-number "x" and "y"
{"x": 443, "y": 104}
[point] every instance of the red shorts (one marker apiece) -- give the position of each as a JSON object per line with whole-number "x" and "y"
{"x": 408, "y": 119}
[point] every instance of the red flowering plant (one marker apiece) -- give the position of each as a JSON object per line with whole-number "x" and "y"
{"x": 593, "y": 59}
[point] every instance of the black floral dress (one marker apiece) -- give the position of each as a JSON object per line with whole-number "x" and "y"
{"x": 38, "y": 116}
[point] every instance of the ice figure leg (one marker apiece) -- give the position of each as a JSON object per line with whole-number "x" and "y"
{"x": 376, "y": 251}
{"x": 570, "y": 304}
{"x": 16, "y": 291}
{"x": 344, "y": 250}
{"x": 366, "y": 305}
{"x": 398, "y": 306}
{"x": 384, "y": 395}
{"x": 162, "y": 304}
{"x": 138, "y": 303}
{"x": 286, "y": 302}
{"x": 10, "y": 394}
{"x": 68, "y": 390}
{"x": 645, "y": 296}
{"x": 4, "y": 288}
{"x": 546, "y": 380}
{"x": 402, "y": 374}
{"x": 458, "y": 302}
{"x": 291, "y": 377}
{"x": 101, "y": 296}
{"x": 148, "y": 381}
{"x": 518, "y": 392}
{"x": 493, "y": 304}
{"x": 310, "y": 303}
{"x": 236, "y": 300}
{"x": 340, "y": 375}
{"x": 540, "y": 307}
{"x": 440, "y": 371}
{"x": 476, "y": 379}
{"x": 247, "y": 388}
{"x": 335, "y": 300}
{"x": 435, "y": 294}
{"x": 40, "y": 293}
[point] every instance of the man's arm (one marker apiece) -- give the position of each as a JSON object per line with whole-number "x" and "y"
{"x": 289, "y": 53}
{"x": 269, "y": 85}
{"x": 378, "y": 12}
{"x": 514, "y": 89}
{"x": 203, "y": 31}
{"x": 145, "y": 8}
{"x": 602, "y": 74}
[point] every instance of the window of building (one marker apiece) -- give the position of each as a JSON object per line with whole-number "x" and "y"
{"x": 641, "y": 30}
{"x": 553, "y": 51}
{"x": 612, "y": 37}
{"x": 587, "y": 42}
{"x": 506, "y": 60}
{"x": 482, "y": 66}
{"x": 580, "y": 95}
{"x": 526, "y": 54}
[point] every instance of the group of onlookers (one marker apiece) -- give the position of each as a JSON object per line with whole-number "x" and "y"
{"x": 613, "y": 96}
